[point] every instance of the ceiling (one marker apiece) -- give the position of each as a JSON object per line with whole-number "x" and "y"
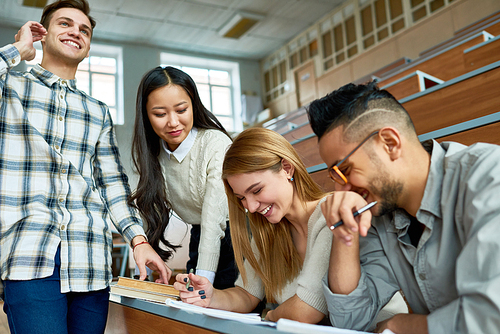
{"x": 191, "y": 25}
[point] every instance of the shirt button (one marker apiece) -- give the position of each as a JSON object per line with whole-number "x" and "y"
{"x": 13, "y": 61}
{"x": 63, "y": 227}
{"x": 57, "y": 147}
{"x": 61, "y": 199}
{"x": 63, "y": 82}
{"x": 60, "y": 118}
{"x": 61, "y": 96}
{"x": 63, "y": 171}
{"x": 422, "y": 276}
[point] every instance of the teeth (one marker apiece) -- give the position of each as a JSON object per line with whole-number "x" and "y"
{"x": 266, "y": 210}
{"x": 72, "y": 43}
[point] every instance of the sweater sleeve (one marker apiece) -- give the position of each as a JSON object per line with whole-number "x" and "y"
{"x": 214, "y": 209}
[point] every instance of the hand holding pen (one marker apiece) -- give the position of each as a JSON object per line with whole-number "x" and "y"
{"x": 194, "y": 289}
{"x": 338, "y": 211}
{"x": 355, "y": 214}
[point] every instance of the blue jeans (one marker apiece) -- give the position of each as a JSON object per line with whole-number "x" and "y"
{"x": 38, "y": 306}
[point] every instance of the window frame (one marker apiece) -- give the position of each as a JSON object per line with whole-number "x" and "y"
{"x": 108, "y": 51}
{"x": 178, "y": 60}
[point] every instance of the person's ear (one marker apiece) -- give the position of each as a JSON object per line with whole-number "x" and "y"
{"x": 287, "y": 168}
{"x": 391, "y": 139}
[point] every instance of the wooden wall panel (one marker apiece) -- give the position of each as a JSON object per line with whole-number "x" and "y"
{"x": 305, "y": 81}
{"x": 123, "y": 319}
{"x": 335, "y": 79}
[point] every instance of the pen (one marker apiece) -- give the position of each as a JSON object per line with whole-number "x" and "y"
{"x": 357, "y": 213}
{"x": 189, "y": 279}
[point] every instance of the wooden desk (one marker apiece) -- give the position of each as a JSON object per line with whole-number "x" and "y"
{"x": 138, "y": 316}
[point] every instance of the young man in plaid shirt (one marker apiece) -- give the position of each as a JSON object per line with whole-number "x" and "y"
{"x": 61, "y": 184}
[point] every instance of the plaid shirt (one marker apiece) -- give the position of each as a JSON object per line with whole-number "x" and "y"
{"x": 61, "y": 181}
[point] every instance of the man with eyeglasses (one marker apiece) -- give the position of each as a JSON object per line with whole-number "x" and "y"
{"x": 435, "y": 233}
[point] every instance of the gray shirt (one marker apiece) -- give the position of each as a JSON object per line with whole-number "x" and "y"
{"x": 454, "y": 273}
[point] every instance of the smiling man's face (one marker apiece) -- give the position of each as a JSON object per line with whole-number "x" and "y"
{"x": 68, "y": 37}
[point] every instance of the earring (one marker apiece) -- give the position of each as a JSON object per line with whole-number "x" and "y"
{"x": 291, "y": 179}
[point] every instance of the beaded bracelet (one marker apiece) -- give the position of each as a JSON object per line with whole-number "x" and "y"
{"x": 140, "y": 243}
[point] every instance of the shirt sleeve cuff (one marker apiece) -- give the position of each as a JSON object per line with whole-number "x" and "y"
{"x": 208, "y": 261}
{"x": 10, "y": 55}
{"x": 210, "y": 275}
{"x": 443, "y": 319}
{"x": 133, "y": 231}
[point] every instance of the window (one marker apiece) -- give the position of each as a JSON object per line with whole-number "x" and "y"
{"x": 380, "y": 19}
{"x": 421, "y": 8}
{"x": 218, "y": 83}
{"x": 100, "y": 76}
{"x": 275, "y": 75}
{"x": 339, "y": 37}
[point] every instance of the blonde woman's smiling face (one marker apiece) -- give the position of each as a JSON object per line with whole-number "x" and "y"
{"x": 265, "y": 192}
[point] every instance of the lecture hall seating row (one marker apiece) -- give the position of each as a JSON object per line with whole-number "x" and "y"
{"x": 450, "y": 92}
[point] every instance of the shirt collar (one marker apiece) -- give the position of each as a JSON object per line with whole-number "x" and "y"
{"x": 432, "y": 194}
{"x": 183, "y": 149}
{"x": 49, "y": 78}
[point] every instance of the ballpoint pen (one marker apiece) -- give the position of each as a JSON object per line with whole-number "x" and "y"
{"x": 357, "y": 213}
{"x": 189, "y": 279}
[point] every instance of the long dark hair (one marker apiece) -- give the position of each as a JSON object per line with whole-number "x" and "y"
{"x": 150, "y": 197}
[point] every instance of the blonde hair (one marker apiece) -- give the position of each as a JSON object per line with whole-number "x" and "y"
{"x": 259, "y": 149}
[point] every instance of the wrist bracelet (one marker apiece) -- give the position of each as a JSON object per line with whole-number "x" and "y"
{"x": 140, "y": 243}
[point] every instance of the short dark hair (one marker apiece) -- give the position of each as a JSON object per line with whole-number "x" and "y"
{"x": 346, "y": 104}
{"x": 81, "y": 5}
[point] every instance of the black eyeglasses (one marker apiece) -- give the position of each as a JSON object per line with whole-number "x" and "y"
{"x": 334, "y": 171}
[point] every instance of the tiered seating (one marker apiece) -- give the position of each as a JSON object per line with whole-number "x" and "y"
{"x": 412, "y": 83}
{"x": 445, "y": 64}
{"x": 288, "y": 121}
{"x": 450, "y": 92}
{"x": 491, "y": 24}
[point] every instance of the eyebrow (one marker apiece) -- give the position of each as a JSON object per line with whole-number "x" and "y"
{"x": 162, "y": 107}
{"x": 180, "y": 103}
{"x": 249, "y": 188}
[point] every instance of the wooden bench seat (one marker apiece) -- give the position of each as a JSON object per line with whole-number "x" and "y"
{"x": 412, "y": 83}
{"x": 287, "y": 121}
{"x": 308, "y": 150}
{"x": 490, "y": 24}
{"x": 445, "y": 65}
{"x": 298, "y": 132}
{"x": 464, "y": 98}
{"x": 482, "y": 54}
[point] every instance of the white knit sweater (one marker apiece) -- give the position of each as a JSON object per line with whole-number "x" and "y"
{"x": 196, "y": 192}
{"x": 307, "y": 285}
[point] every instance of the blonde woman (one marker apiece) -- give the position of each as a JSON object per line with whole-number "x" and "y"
{"x": 286, "y": 252}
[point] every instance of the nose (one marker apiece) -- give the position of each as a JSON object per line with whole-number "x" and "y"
{"x": 75, "y": 31}
{"x": 251, "y": 205}
{"x": 173, "y": 120}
